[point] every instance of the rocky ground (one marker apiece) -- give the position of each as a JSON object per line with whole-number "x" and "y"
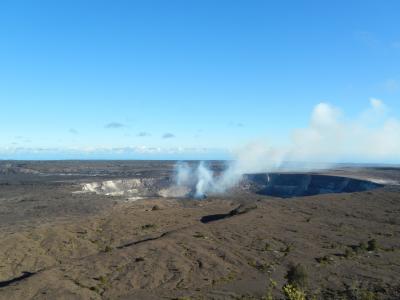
{"x": 57, "y": 244}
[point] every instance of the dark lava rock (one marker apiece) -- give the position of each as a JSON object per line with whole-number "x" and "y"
{"x": 155, "y": 207}
{"x": 242, "y": 208}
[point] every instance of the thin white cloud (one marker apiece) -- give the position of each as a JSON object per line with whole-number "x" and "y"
{"x": 368, "y": 38}
{"x": 130, "y": 150}
{"x": 391, "y": 85}
{"x": 114, "y": 125}
{"x": 396, "y": 45}
{"x": 377, "y": 105}
{"x": 73, "y": 131}
{"x": 143, "y": 134}
{"x": 168, "y": 135}
{"x": 236, "y": 124}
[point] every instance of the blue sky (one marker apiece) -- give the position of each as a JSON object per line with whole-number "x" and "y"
{"x": 185, "y": 79}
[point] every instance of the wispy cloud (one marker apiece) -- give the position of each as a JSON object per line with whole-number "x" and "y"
{"x": 143, "y": 134}
{"x": 391, "y": 85}
{"x": 373, "y": 41}
{"x": 396, "y": 44}
{"x": 16, "y": 151}
{"x": 73, "y": 131}
{"x": 114, "y": 125}
{"x": 368, "y": 38}
{"x": 236, "y": 124}
{"x": 168, "y": 135}
{"x": 22, "y": 139}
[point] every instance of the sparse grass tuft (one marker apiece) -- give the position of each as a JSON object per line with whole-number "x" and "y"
{"x": 148, "y": 226}
{"x": 297, "y": 276}
{"x": 103, "y": 280}
{"x": 107, "y": 249}
{"x": 199, "y": 235}
{"x": 95, "y": 289}
{"x": 267, "y": 246}
{"x": 271, "y": 286}
{"x": 372, "y": 245}
{"x": 368, "y": 295}
{"x": 324, "y": 260}
{"x": 293, "y": 293}
{"x": 155, "y": 207}
{"x": 348, "y": 253}
{"x": 362, "y": 247}
{"x": 286, "y": 250}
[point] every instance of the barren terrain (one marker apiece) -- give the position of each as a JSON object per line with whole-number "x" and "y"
{"x": 58, "y": 241}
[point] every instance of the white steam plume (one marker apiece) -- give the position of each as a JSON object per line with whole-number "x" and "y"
{"x": 329, "y": 138}
{"x": 205, "y": 180}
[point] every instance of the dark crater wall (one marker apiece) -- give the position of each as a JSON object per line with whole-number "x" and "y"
{"x": 285, "y": 185}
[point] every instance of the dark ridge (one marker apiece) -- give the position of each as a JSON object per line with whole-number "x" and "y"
{"x": 147, "y": 239}
{"x": 142, "y": 241}
{"x": 212, "y": 218}
{"x": 241, "y": 209}
{"x": 16, "y": 279}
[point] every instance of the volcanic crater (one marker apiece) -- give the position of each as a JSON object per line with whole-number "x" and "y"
{"x": 281, "y": 185}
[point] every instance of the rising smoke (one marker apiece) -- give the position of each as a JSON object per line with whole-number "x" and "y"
{"x": 200, "y": 177}
{"x": 372, "y": 136}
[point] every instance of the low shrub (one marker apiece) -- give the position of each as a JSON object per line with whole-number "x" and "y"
{"x": 297, "y": 276}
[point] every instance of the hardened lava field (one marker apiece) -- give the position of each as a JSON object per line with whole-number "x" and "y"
{"x": 125, "y": 230}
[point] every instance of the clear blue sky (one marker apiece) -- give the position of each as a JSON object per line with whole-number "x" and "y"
{"x": 167, "y": 78}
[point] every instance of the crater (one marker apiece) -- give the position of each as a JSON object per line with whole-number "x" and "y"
{"x": 282, "y": 185}
{"x": 287, "y": 185}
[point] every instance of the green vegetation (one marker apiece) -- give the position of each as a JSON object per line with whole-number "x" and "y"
{"x": 95, "y": 289}
{"x": 368, "y": 295}
{"x": 155, "y": 207}
{"x": 324, "y": 260}
{"x": 199, "y": 235}
{"x": 267, "y": 246}
{"x": 372, "y": 245}
{"x": 228, "y": 278}
{"x": 148, "y": 226}
{"x": 107, "y": 249}
{"x": 293, "y": 293}
{"x": 348, "y": 253}
{"x": 297, "y": 276}
{"x": 271, "y": 286}
{"x": 357, "y": 291}
{"x": 286, "y": 250}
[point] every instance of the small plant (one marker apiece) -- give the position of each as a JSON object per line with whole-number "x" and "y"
{"x": 267, "y": 247}
{"x": 368, "y": 295}
{"x": 103, "y": 280}
{"x": 348, "y": 253}
{"x": 262, "y": 267}
{"x": 148, "y": 226}
{"x": 357, "y": 291}
{"x": 372, "y": 245}
{"x": 324, "y": 260}
{"x": 95, "y": 289}
{"x": 293, "y": 293}
{"x": 139, "y": 259}
{"x": 271, "y": 286}
{"x": 108, "y": 249}
{"x": 199, "y": 235}
{"x": 297, "y": 276}
{"x": 360, "y": 248}
{"x": 155, "y": 207}
{"x": 286, "y": 250}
